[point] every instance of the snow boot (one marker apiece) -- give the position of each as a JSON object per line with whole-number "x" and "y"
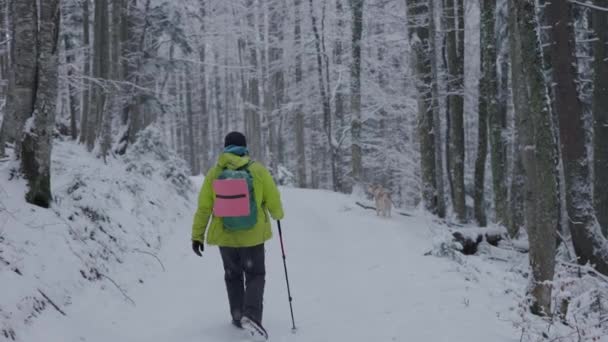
{"x": 255, "y": 330}
{"x": 237, "y": 323}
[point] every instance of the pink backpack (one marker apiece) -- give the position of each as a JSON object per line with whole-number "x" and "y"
{"x": 231, "y": 198}
{"x": 234, "y": 199}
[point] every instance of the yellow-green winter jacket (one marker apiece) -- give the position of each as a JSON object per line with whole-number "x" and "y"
{"x": 266, "y": 196}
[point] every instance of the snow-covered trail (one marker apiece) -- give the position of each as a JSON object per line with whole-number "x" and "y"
{"x": 354, "y": 277}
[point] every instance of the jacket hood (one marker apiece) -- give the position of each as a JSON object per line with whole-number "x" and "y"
{"x": 232, "y": 161}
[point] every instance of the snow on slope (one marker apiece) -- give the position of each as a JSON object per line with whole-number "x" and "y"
{"x": 100, "y": 236}
{"x": 355, "y": 277}
{"x": 114, "y": 255}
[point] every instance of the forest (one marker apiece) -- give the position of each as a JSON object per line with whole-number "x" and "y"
{"x": 492, "y": 113}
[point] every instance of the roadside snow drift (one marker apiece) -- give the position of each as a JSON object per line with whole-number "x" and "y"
{"x": 102, "y": 234}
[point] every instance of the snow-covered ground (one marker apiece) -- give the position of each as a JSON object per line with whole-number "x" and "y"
{"x": 106, "y": 225}
{"x": 354, "y": 276}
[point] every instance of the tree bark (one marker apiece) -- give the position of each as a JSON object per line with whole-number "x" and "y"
{"x": 203, "y": 144}
{"x": 22, "y": 80}
{"x": 326, "y": 109}
{"x": 71, "y": 91}
{"x": 434, "y": 38}
{"x": 418, "y": 27}
{"x": 600, "y": 114}
{"x": 86, "y": 97}
{"x": 4, "y": 44}
{"x": 340, "y": 99}
{"x": 252, "y": 109}
{"x": 102, "y": 56}
{"x": 4, "y": 64}
{"x": 126, "y": 51}
{"x": 190, "y": 117}
{"x": 38, "y": 132}
{"x": 497, "y": 123}
{"x": 487, "y": 103}
{"x": 516, "y": 218}
{"x": 538, "y": 153}
{"x": 589, "y": 243}
{"x": 116, "y": 39}
{"x": 355, "y": 91}
{"x": 277, "y": 56}
{"x": 101, "y": 70}
{"x": 455, "y": 50}
{"x": 300, "y": 126}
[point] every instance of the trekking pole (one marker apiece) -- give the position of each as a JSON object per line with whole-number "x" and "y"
{"x": 293, "y": 322}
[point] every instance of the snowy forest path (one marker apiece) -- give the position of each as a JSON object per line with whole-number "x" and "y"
{"x": 354, "y": 277}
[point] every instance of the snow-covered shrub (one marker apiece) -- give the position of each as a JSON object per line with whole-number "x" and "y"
{"x": 579, "y": 304}
{"x": 285, "y": 177}
{"x": 444, "y": 245}
{"x": 150, "y": 146}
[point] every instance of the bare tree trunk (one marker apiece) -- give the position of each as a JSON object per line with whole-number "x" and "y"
{"x": 520, "y": 100}
{"x": 116, "y": 28}
{"x": 190, "y": 117}
{"x": 179, "y": 120}
{"x": 22, "y": 89}
{"x": 217, "y": 94}
{"x": 38, "y": 132}
{"x": 86, "y": 97}
{"x": 497, "y": 121}
{"x": 434, "y": 37}
{"x": 4, "y": 43}
{"x": 418, "y": 26}
{"x": 252, "y": 108}
{"x": 203, "y": 144}
{"x": 538, "y": 153}
{"x": 487, "y": 103}
{"x": 300, "y": 126}
{"x": 4, "y": 63}
{"x": 326, "y": 109}
{"x": 102, "y": 57}
{"x": 276, "y": 55}
{"x": 455, "y": 51}
{"x": 4, "y": 46}
{"x": 355, "y": 91}
{"x": 600, "y": 114}
{"x": 339, "y": 101}
{"x": 126, "y": 48}
{"x": 300, "y": 150}
{"x": 135, "y": 111}
{"x": 261, "y": 68}
{"x": 4, "y": 60}
{"x": 116, "y": 96}
{"x": 71, "y": 91}
{"x": 101, "y": 61}
{"x": 589, "y": 243}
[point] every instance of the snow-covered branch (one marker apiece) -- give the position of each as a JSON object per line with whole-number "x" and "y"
{"x": 592, "y": 6}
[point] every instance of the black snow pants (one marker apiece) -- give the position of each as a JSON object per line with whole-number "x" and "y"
{"x": 245, "y": 275}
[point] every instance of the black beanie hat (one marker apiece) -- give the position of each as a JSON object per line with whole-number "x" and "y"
{"x": 236, "y": 139}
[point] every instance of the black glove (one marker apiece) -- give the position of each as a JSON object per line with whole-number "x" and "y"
{"x": 198, "y": 248}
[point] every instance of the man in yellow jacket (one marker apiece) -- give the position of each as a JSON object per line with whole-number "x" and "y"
{"x": 242, "y": 251}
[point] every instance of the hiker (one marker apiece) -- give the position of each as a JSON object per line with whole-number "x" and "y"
{"x": 240, "y": 238}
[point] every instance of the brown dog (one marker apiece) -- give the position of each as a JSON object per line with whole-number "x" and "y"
{"x": 382, "y": 198}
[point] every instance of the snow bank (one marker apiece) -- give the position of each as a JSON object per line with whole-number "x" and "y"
{"x": 580, "y": 295}
{"x": 103, "y": 231}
